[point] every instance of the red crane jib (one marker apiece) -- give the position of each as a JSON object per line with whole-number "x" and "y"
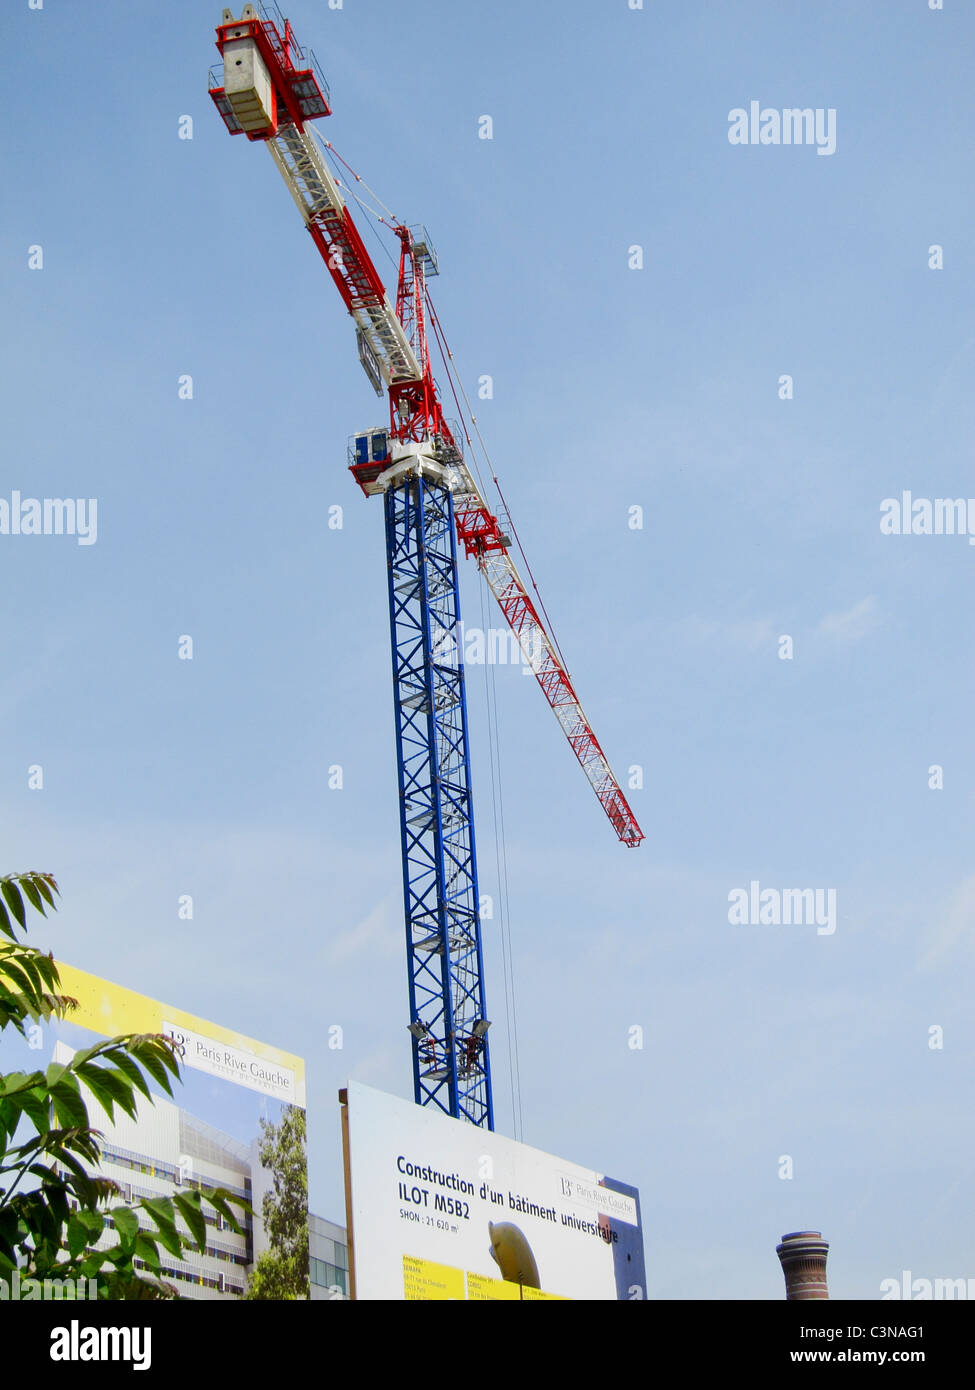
{"x": 300, "y": 95}
{"x": 347, "y": 259}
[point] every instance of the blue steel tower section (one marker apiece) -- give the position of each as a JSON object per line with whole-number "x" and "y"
{"x": 451, "y": 1061}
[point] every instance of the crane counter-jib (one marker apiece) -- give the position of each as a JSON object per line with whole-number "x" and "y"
{"x": 322, "y": 207}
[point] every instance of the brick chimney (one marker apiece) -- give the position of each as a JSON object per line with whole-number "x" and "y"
{"x": 803, "y": 1255}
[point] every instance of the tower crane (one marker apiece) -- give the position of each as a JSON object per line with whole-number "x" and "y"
{"x": 270, "y": 89}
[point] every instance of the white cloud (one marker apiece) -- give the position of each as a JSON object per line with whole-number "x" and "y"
{"x": 853, "y": 623}
{"x": 750, "y": 633}
{"x": 375, "y": 936}
{"x": 956, "y": 926}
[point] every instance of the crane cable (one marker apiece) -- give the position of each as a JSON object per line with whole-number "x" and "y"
{"x": 490, "y": 682}
{"x": 331, "y": 150}
{"x": 501, "y": 869}
{"x": 444, "y": 352}
{"x": 497, "y": 802}
{"x": 438, "y": 329}
{"x": 448, "y": 361}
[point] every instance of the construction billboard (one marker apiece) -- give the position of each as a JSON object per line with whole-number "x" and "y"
{"x": 235, "y": 1121}
{"x": 441, "y": 1209}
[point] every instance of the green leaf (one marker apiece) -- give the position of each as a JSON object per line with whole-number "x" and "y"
{"x": 154, "y": 1057}
{"x": 91, "y": 1265}
{"x": 126, "y": 1222}
{"x": 41, "y": 882}
{"x": 16, "y": 1081}
{"x": 33, "y": 896}
{"x": 33, "y": 1103}
{"x": 93, "y": 1222}
{"x": 125, "y": 1064}
{"x": 147, "y": 1249}
{"x": 220, "y": 1199}
{"x": 16, "y": 972}
{"x": 77, "y": 1236}
{"x": 170, "y": 1238}
{"x": 92, "y": 1077}
{"x": 112, "y": 1084}
{"x": 160, "y": 1209}
{"x": 69, "y": 1108}
{"x": 13, "y": 900}
{"x": 189, "y": 1208}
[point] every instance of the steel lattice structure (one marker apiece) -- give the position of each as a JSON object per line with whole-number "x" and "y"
{"x": 451, "y": 1065}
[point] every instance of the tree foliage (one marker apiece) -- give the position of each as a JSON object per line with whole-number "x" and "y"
{"x": 282, "y": 1271}
{"x": 53, "y": 1210}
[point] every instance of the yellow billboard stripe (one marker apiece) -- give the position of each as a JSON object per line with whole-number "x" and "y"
{"x": 110, "y": 1009}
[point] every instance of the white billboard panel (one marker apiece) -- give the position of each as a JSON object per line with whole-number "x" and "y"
{"x": 441, "y": 1209}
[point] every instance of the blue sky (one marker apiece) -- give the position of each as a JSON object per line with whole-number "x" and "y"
{"x": 613, "y": 388}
